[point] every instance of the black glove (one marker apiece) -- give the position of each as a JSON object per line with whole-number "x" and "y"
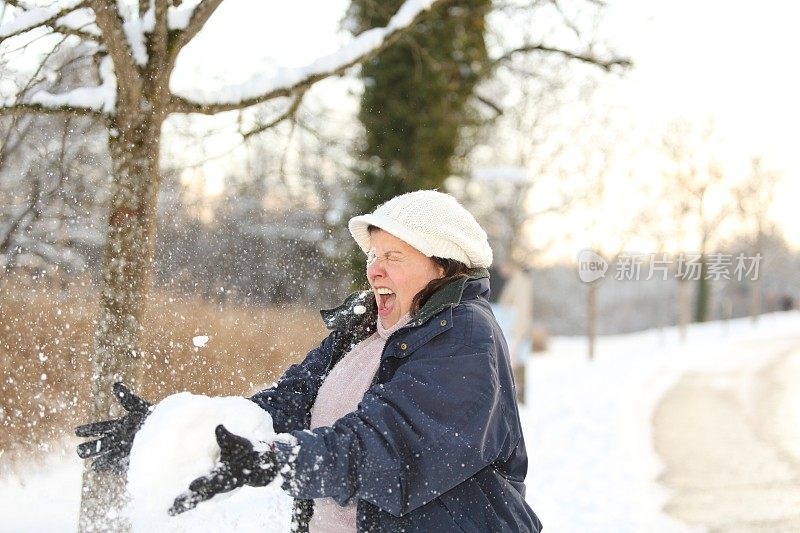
{"x": 113, "y": 447}
{"x": 239, "y": 464}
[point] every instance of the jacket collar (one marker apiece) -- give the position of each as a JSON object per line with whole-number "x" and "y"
{"x": 359, "y": 310}
{"x": 452, "y": 294}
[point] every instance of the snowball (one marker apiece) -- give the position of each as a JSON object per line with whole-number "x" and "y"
{"x": 200, "y": 341}
{"x": 359, "y": 309}
{"x": 176, "y": 445}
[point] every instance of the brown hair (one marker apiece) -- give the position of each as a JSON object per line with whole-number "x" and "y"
{"x": 453, "y": 270}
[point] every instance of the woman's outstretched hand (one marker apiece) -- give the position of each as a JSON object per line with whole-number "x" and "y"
{"x": 113, "y": 447}
{"x": 239, "y": 464}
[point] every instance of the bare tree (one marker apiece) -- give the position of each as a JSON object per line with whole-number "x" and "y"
{"x": 754, "y": 197}
{"x": 135, "y": 47}
{"x": 49, "y": 207}
{"x": 52, "y": 174}
{"x": 596, "y": 169}
{"x": 693, "y": 177}
{"x": 551, "y": 60}
{"x": 607, "y": 227}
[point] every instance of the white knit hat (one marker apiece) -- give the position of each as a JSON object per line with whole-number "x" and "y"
{"x": 432, "y": 222}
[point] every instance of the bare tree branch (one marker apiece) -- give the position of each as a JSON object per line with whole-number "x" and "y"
{"x": 20, "y": 220}
{"x": 200, "y": 16}
{"x": 605, "y": 64}
{"x": 80, "y": 28}
{"x": 110, "y": 23}
{"x": 290, "y": 113}
{"x": 565, "y": 19}
{"x": 363, "y": 48}
{"x": 86, "y": 36}
{"x": 17, "y": 107}
{"x": 36, "y": 18}
{"x": 13, "y": 137}
{"x": 98, "y": 98}
{"x": 25, "y": 109}
{"x": 494, "y": 106}
{"x": 159, "y": 37}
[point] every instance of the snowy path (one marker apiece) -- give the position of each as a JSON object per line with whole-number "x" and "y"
{"x": 588, "y": 425}
{"x": 730, "y": 442}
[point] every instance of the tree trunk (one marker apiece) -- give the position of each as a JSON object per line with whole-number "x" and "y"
{"x": 127, "y": 267}
{"x": 591, "y": 319}
{"x": 755, "y": 301}
{"x": 755, "y": 293}
{"x": 683, "y": 308}
{"x": 703, "y": 292}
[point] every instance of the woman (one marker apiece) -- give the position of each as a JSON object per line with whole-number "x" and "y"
{"x": 404, "y": 418}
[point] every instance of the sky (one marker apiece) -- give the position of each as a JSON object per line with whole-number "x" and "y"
{"x": 731, "y": 62}
{"x": 727, "y": 63}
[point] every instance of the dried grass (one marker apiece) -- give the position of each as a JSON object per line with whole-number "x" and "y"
{"x": 46, "y": 345}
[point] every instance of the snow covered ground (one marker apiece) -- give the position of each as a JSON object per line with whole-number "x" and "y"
{"x": 588, "y": 424}
{"x": 587, "y": 427}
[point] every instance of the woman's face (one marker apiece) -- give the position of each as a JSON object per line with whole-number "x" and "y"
{"x": 397, "y": 272}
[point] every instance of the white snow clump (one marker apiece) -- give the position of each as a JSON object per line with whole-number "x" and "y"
{"x": 200, "y": 341}
{"x": 176, "y": 445}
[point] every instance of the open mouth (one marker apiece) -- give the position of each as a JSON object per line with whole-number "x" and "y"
{"x": 385, "y": 299}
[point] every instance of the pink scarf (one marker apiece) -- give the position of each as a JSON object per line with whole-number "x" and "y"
{"x": 340, "y": 394}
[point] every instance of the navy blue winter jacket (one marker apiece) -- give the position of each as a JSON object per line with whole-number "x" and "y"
{"x": 435, "y": 444}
